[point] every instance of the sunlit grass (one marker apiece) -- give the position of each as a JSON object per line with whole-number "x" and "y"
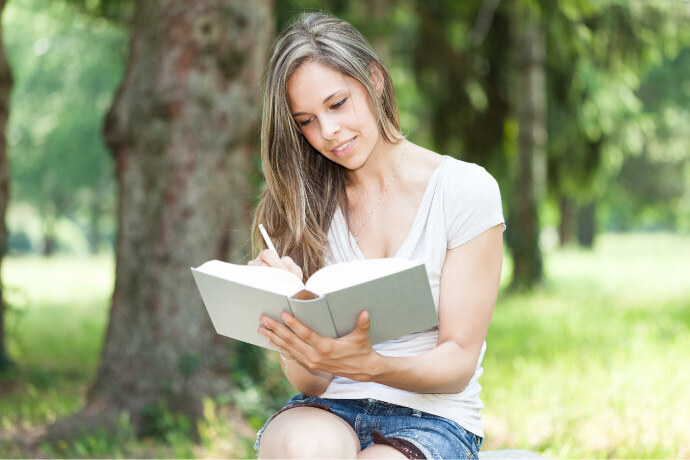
{"x": 57, "y": 314}
{"x": 594, "y": 364}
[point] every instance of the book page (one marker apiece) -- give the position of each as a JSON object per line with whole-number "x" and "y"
{"x": 340, "y": 276}
{"x": 268, "y": 279}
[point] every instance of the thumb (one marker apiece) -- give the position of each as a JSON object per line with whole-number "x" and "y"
{"x": 363, "y": 321}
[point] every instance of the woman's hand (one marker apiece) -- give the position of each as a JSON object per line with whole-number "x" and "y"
{"x": 268, "y": 258}
{"x": 350, "y": 356}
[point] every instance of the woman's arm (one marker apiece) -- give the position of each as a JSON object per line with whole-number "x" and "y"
{"x": 469, "y": 286}
{"x": 307, "y": 381}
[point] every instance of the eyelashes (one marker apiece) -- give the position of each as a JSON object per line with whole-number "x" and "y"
{"x": 335, "y": 106}
{"x": 338, "y": 104}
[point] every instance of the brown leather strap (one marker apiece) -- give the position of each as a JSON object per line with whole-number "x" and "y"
{"x": 406, "y": 447}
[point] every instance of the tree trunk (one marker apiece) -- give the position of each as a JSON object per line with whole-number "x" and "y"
{"x": 374, "y": 20}
{"x": 182, "y": 131}
{"x": 566, "y": 227}
{"x": 586, "y": 224}
{"x": 5, "y": 86}
{"x": 530, "y": 175}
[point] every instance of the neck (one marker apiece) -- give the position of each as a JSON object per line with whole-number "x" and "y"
{"x": 383, "y": 162}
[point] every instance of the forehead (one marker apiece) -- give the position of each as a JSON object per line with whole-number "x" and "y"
{"x": 312, "y": 82}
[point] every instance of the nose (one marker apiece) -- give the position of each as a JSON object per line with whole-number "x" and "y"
{"x": 329, "y": 127}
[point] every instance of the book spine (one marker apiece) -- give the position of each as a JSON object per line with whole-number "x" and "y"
{"x": 315, "y": 315}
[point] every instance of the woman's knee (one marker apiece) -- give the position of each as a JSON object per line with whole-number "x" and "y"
{"x": 304, "y": 432}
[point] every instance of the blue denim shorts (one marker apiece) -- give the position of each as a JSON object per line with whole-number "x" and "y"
{"x": 415, "y": 433}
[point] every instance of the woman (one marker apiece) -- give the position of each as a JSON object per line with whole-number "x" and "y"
{"x": 343, "y": 183}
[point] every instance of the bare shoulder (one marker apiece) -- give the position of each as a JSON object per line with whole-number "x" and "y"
{"x": 421, "y": 164}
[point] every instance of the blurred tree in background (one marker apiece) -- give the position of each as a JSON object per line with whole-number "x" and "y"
{"x": 5, "y": 86}
{"x": 460, "y": 102}
{"x": 650, "y": 189}
{"x": 181, "y": 130}
{"x": 599, "y": 54}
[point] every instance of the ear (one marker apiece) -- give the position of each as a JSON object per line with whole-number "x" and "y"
{"x": 376, "y": 76}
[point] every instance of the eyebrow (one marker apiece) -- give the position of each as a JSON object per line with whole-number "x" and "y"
{"x": 323, "y": 102}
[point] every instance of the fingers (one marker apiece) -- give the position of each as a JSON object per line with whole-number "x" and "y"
{"x": 300, "y": 330}
{"x": 268, "y": 258}
{"x": 276, "y": 341}
{"x": 281, "y": 335}
{"x": 292, "y": 266}
{"x": 271, "y": 259}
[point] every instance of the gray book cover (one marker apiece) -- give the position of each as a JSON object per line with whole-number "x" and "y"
{"x": 398, "y": 298}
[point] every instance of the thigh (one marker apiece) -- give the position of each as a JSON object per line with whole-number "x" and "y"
{"x": 304, "y": 432}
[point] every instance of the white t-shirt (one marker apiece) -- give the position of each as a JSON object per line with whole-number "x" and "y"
{"x": 461, "y": 201}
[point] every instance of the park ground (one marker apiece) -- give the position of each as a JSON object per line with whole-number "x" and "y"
{"x": 593, "y": 364}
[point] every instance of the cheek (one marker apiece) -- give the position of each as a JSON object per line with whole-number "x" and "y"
{"x": 311, "y": 134}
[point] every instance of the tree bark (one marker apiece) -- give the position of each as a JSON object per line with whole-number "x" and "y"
{"x": 586, "y": 224}
{"x": 566, "y": 227}
{"x": 182, "y": 131}
{"x": 530, "y": 175}
{"x": 5, "y": 86}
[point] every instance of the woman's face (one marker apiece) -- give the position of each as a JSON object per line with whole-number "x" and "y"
{"x": 334, "y": 113}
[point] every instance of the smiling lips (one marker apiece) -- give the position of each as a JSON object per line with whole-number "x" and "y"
{"x": 344, "y": 148}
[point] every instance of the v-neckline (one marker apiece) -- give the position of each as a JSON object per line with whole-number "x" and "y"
{"x": 427, "y": 191}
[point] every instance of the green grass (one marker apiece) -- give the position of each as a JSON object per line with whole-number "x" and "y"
{"x": 594, "y": 364}
{"x": 56, "y": 318}
{"x": 58, "y": 312}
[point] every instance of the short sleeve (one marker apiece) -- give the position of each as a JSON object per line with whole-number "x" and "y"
{"x": 471, "y": 203}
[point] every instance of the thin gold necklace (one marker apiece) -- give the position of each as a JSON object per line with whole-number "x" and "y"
{"x": 357, "y": 231}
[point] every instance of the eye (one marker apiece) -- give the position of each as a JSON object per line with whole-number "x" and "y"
{"x": 338, "y": 104}
{"x": 305, "y": 122}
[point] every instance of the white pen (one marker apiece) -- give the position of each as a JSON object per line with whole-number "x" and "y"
{"x": 268, "y": 241}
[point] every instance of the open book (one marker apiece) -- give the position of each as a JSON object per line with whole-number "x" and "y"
{"x": 395, "y": 292}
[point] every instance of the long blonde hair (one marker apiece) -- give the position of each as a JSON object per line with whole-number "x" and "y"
{"x": 303, "y": 188}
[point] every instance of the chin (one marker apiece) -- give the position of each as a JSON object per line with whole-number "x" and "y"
{"x": 352, "y": 162}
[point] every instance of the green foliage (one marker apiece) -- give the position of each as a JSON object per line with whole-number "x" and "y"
{"x": 262, "y": 389}
{"x": 460, "y": 61}
{"x": 159, "y": 422}
{"x": 66, "y": 67}
{"x": 616, "y": 76}
{"x": 112, "y": 10}
{"x": 652, "y": 189}
{"x": 98, "y": 443}
{"x": 19, "y": 243}
{"x": 188, "y": 364}
{"x": 602, "y": 59}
